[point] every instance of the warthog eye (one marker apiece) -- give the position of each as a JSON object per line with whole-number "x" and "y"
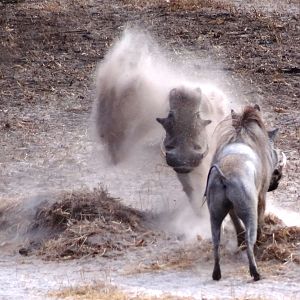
{"x": 197, "y": 147}
{"x": 170, "y": 115}
{"x": 276, "y": 172}
{"x": 169, "y": 147}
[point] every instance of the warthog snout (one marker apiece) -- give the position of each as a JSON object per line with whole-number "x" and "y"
{"x": 186, "y": 138}
{"x": 183, "y": 163}
{"x": 277, "y": 173}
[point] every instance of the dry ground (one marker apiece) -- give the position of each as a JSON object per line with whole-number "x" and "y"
{"x": 48, "y": 54}
{"x": 49, "y": 50}
{"x": 88, "y": 223}
{"x": 103, "y": 291}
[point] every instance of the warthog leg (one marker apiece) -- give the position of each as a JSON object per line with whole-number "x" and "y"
{"x": 251, "y": 239}
{"x": 192, "y": 190}
{"x": 261, "y": 213}
{"x": 216, "y": 219}
{"x": 250, "y": 220}
{"x": 240, "y": 231}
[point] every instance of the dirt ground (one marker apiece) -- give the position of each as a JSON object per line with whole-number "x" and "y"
{"x": 48, "y": 55}
{"x": 49, "y": 51}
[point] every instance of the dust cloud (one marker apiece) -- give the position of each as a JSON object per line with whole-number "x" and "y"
{"x": 133, "y": 83}
{"x": 289, "y": 218}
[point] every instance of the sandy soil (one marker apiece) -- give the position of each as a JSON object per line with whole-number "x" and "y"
{"x": 49, "y": 51}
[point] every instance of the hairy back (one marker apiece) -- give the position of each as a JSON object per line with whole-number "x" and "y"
{"x": 243, "y": 147}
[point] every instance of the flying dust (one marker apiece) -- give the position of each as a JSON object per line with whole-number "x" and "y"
{"x": 133, "y": 83}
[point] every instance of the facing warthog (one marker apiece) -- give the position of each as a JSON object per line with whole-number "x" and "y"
{"x": 277, "y": 173}
{"x": 186, "y": 139}
{"x": 192, "y": 118}
{"x": 239, "y": 179}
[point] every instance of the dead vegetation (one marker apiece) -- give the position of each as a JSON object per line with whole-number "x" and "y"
{"x": 104, "y": 291}
{"x": 86, "y": 223}
{"x": 54, "y": 70}
{"x": 279, "y": 242}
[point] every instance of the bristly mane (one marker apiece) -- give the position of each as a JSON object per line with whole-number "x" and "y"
{"x": 249, "y": 115}
{"x": 247, "y": 127}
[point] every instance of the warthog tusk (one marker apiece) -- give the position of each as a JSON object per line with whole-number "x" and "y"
{"x": 162, "y": 150}
{"x": 283, "y": 163}
{"x": 205, "y": 152}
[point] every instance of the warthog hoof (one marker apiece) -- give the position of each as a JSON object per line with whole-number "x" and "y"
{"x": 256, "y": 277}
{"x": 216, "y": 275}
{"x": 254, "y": 274}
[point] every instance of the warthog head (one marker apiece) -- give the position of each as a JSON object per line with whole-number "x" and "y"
{"x": 279, "y": 163}
{"x": 185, "y": 142}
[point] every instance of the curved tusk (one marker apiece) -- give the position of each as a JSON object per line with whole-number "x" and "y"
{"x": 283, "y": 163}
{"x": 162, "y": 151}
{"x": 205, "y": 152}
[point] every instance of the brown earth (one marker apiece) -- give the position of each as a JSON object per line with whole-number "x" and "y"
{"x": 88, "y": 223}
{"x": 49, "y": 50}
{"x": 48, "y": 54}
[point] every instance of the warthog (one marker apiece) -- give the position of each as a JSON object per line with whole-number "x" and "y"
{"x": 189, "y": 126}
{"x": 277, "y": 174}
{"x": 239, "y": 178}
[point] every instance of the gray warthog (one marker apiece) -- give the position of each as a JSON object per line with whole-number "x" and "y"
{"x": 189, "y": 126}
{"x": 277, "y": 173}
{"x": 239, "y": 179}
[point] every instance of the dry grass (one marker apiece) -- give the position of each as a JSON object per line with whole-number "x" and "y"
{"x": 279, "y": 241}
{"x": 102, "y": 291}
{"x": 89, "y": 223}
{"x": 86, "y": 223}
{"x": 179, "y": 5}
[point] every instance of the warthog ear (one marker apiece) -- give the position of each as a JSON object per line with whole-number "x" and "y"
{"x": 233, "y": 114}
{"x": 174, "y": 98}
{"x": 272, "y": 134}
{"x": 205, "y": 122}
{"x": 173, "y": 92}
{"x": 162, "y": 121}
{"x": 198, "y": 90}
{"x": 256, "y": 106}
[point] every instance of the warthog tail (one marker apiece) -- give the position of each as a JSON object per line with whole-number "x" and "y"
{"x": 214, "y": 166}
